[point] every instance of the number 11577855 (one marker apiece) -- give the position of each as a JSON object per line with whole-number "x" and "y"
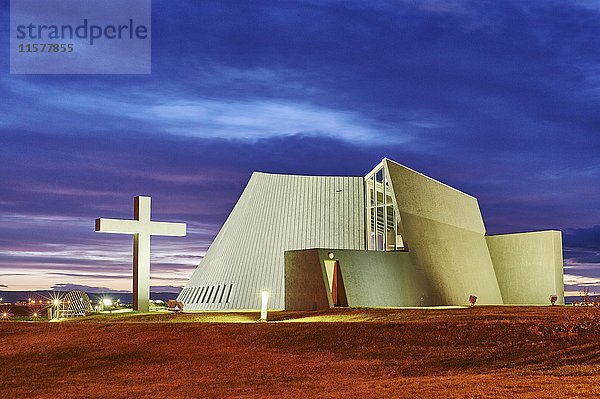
{"x": 45, "y": 48}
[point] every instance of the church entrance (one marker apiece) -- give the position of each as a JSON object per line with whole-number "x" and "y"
{"x": 336, "y": 283}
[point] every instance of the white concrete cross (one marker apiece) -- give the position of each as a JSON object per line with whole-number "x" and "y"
{"x": 141, "y": 228}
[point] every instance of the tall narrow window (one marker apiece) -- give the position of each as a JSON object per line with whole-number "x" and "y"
{"x": 210, "y": 295}
{"x": 193, "y": 297}
{"x": 200, "y": 294}
{"x": 390, "y": 229}
{"x": 229, "y": 293}
{"x": 380, "y": 229}
{"x": 204, "y": 295}
{"x": 371, "y": 225}
{"x": 222, "y": 292}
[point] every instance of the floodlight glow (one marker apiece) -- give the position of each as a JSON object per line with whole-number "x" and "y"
{"x": 263, "y": 308}
{"x": 56, "y": 302}
{"x": 472, "y": 300}
{"x": 107, "y": 302}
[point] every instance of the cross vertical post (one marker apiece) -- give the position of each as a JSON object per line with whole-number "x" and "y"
{"x": 141, "y": 228}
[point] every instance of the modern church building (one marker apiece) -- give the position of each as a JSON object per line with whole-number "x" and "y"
{"x": 393, "y": 238}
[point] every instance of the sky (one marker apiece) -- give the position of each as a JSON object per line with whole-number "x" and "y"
{"x": 499, "y": 99}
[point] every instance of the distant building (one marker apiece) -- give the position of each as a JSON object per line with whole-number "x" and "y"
{"x": 393, "y": 238}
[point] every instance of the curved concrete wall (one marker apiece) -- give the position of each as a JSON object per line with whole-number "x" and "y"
{"x": 275, "y": 213}
{"x": 445, "y": 235}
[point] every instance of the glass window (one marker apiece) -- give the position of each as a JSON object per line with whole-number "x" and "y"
{"x": 379, "y": 175}
{"x": 370, "y": 190}
{"x": 399, "y": 242}
{"x": 382, "y": 218}
{"x": 371, "y": 228}
{"x": 390, "y": 229}
{"x": 222, "y": 293}
{"x": 379, "y": 190}
{"x": 229, "y": 293}
{"x": 380, "y": 229}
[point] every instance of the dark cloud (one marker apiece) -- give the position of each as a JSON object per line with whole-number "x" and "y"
{"x": 588, "y": 238}
{"x": 582, "y": 247}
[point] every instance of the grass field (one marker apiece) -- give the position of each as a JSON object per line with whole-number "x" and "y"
{"x": 532, "y": 352}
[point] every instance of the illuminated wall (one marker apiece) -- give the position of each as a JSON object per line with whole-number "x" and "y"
{"x": 529, "y": 266}
{"x": 445, "y": 236}
{"x": 368, "y": 279}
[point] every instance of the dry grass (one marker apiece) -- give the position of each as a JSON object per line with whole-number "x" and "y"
{"x": 471, "y": 353}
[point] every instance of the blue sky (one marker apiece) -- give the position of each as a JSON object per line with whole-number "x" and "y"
{"x": 499, "y": 99}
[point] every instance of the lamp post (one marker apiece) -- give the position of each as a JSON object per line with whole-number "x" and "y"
{"x": 56, "y": 303}
{"x": 263, "y": 308}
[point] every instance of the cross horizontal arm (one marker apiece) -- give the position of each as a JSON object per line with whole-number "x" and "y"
{"x": 104, "y": 225}
{"x": 167, "y": 229}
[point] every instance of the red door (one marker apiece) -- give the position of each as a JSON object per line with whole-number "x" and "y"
{"x": 334, "y": 285}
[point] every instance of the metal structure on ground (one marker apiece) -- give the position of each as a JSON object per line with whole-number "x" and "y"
{"x": 75, "y": 303}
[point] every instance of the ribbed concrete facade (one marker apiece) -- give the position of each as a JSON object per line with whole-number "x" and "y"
{"x": 275, "y": 213}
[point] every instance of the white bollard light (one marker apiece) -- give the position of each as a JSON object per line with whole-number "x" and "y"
{"x": 56, "y": 303}
{"x": 263, "y": 308}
